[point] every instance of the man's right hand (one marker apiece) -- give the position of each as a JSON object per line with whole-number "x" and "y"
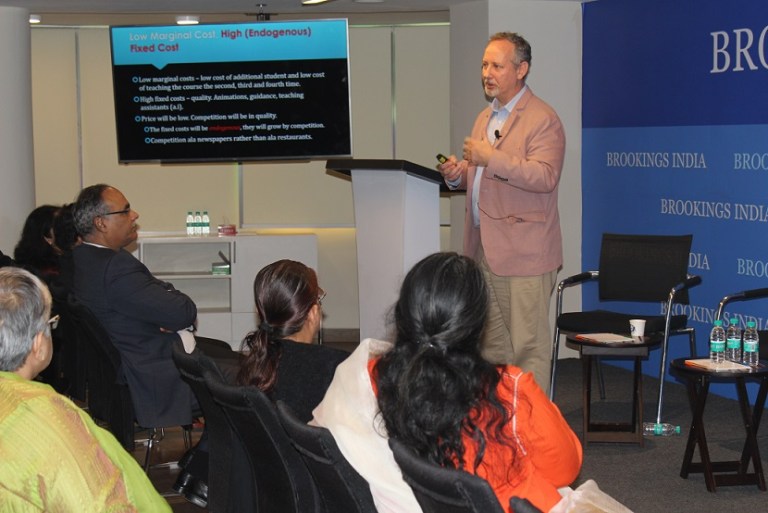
{"x": 452, "y": 169}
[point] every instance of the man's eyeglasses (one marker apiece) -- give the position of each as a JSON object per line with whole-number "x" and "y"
{"x": 53, "y": 322}
{"x": 125, "y": 211}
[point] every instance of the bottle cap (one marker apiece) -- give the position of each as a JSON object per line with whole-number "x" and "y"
{"x": 750, "y": 324}
{"x": 718, "y": 322}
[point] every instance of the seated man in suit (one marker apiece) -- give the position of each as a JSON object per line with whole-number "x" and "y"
{"x": 141, "y": 313}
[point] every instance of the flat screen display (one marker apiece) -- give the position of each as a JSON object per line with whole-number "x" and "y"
{"x": 232, "y": 92}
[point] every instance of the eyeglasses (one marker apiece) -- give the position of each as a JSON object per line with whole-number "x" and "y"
{"x": 53, "y": 322}
{"x": 125, "y": 211}
{"x": 321, "y": 297}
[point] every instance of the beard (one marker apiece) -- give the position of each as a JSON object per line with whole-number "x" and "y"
{"x": 490, "y": 92}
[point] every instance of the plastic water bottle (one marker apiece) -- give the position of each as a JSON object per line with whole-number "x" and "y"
{"x": 717, "y": 343}
{"x": 198, "y": 223}
{"x": 751, "y": 353}
{"x": 206, "y": 224}
{"x": 190, "y": 224}
{"x": 660, "y": 429}
{"x": 733, "y": 342}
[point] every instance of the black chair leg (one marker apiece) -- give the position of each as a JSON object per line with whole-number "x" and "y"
{"x": 152, "y": 435}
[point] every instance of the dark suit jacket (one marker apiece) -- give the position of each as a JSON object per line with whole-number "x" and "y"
{"x": 133, "y": 306}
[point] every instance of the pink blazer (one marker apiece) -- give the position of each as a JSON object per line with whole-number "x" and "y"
{"x": 519, "y": 220}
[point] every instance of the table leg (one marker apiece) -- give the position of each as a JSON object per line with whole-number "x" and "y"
{"x": 751, "y": 421}
{"x": 637, "y": 402}
{"x": 586, "y": 396}
{"x": 698, "y": 389}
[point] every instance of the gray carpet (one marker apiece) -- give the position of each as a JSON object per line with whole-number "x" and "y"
{"x": 647, "y": 479}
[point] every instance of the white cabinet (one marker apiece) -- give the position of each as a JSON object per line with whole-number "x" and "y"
{"x": 224, "y": 302}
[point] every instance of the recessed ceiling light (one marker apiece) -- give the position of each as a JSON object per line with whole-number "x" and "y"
{"x": 187, "y": 20}
{"x": 313, "y": 2}
{"x": 35, "y": 18}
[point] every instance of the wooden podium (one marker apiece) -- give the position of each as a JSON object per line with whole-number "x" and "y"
{"x": 397, "y": 220}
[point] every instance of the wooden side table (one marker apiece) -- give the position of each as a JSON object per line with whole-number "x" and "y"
{"x": 616, "y": 432}
{"x": 724, "y": 473}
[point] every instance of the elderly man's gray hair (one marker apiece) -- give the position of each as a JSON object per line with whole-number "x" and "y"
{"x": 25, "y": 305}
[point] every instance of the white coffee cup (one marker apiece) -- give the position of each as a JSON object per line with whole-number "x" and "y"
{"x": 637, "y": 327}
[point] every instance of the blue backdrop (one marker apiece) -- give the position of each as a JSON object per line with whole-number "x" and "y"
{"x": 675, "y": 141}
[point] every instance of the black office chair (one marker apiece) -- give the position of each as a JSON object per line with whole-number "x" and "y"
{"x": 283, "y": 482}
{"x": 640, "y": 269}
{"x": 746, "y": 295}
{"x": 109, "y": 398}
{"x": 222, "y": 494}
{"x": 341, "y": 488}
{"x": 444, "y": 490}
{"x": 67, "y": 372}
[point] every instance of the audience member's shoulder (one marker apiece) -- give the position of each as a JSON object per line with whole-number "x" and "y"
{"x": 30, "y": 394}
{"x": 315, "y": 350}
{"x": 5, "y": 260}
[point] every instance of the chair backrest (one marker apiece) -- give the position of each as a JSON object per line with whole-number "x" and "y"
{"x": 643, "y": 267}
{"x": 283, "y": 482}
{"x": 223, "y": 495}
{"x": 108, "y": 396}
{"x": 67, "y": 371}
{"x": 444, "y": 490}
{"x": 340, "y": 487}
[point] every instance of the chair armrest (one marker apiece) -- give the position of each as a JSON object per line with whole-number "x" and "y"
{"x": 577, "y": 279}
{"x": 754, "y": 293}
{"x": 744, "y": 295}
{"x": 690, "y": 281}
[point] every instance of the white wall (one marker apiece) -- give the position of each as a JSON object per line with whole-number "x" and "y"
{"x": 16, "y": 157}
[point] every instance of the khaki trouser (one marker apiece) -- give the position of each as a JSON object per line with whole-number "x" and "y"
{"x": 517, "y": 329}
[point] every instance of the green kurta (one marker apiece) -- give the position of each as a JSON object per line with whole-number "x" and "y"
{"x": 53, "y": 457}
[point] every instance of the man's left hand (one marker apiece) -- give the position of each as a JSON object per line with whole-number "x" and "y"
{"x": 477, "y": 151}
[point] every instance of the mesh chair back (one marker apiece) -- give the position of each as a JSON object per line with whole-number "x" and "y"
{"x": 340, "y": 487}
{"x": 643, "y": 267}
{"x": 444, "y": 490}
{"x": 109, "y": 399}
{"x": 66, "y": 373}
{"x": 283, "y": 483}
{"x": 221, "y": 438}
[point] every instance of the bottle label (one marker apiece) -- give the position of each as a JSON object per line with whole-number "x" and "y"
{"x": 717, "y": 346}
{"x": 750, "y": 347}
{"x": 734, "y": 343}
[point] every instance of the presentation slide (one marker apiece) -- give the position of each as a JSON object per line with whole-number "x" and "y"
{"x": 232, "y": 92}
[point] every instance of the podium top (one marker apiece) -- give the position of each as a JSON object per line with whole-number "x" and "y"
{"x": 345, "y": 166}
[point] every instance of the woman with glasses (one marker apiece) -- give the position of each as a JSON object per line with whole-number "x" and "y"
{"x": 54, "y": 457}
{"x": 281, "y": 359}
